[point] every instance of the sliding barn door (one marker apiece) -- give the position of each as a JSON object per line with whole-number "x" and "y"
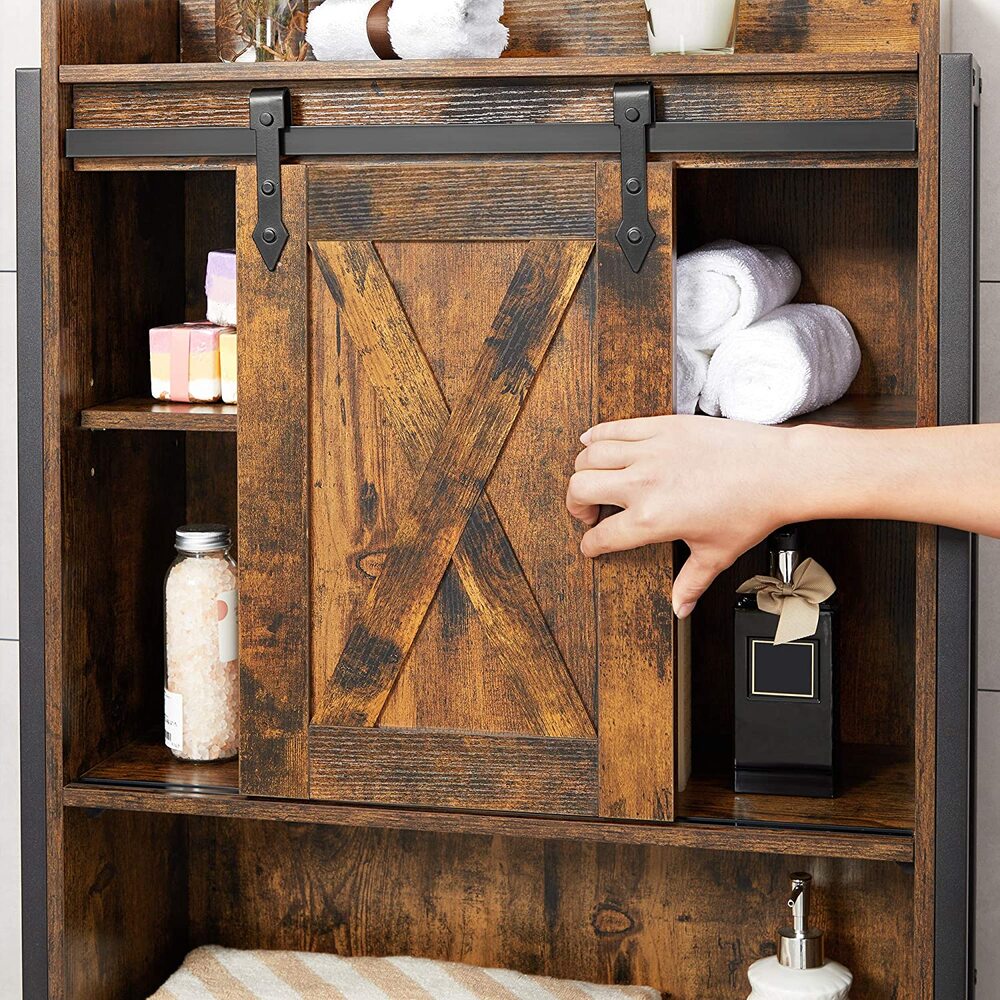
{"x": 418, "y": 625}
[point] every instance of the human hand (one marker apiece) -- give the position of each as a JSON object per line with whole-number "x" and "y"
{"x": 715, "y": 484}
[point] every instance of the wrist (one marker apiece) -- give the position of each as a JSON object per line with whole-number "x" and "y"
{"x": 837, "y": 472}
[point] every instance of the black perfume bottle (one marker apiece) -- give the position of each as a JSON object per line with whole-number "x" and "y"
{"x": 786, "y": 698}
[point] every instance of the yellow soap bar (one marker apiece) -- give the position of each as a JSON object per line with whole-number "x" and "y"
{"x": 227, "y": 354}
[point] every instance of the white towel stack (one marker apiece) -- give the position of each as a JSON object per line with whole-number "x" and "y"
{"x": 742, "y": 351}
{"x": 793, "y": 361}
{"x": 419, "y": 29}
{"x": 725, "y": 286}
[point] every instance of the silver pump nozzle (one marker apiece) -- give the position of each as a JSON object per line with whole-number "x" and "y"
{"x": 800, "y": 947}
{"x": 784, "y": 554}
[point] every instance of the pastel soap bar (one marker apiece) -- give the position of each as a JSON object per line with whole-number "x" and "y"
{"x": 184, "y": 362}
{"x": 227, "y": 354}
{"x": 220, "y": 287}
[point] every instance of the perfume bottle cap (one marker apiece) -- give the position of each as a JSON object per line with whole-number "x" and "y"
{"x": 784, "y": 552}
{"x": 799, "y": 946}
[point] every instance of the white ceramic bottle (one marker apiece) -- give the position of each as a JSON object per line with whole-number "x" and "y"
{"x": 799, "y": 971}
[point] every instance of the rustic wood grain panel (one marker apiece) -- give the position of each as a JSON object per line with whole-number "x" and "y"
{"x": 93, "y": 697}
{"x": 485, "y": 563}
{"x": 97, "y": 351}
{"x": 871, "y": 412}
{"x": 528, "y": 485}
{"x": 636, "y": 675}
{"x": 925, "y": 640}
{"x": 849, "y": 230}
{"x": 149, "y": 764}
{"x": 429, "y": 101}
{"x": 686, "y": 922}
{"x": 447, "y": 201}
{"x": 481, "y": 695}
{"x": 143, "y": 414}
{"x": 212, "y": 481}
{"x": 416, "y": 767}
{"x": 126, "y": 925}
{"x": 452, "y": 483}
{"x": 690, "y": 64}
{"x": 273, "y": 500}
{"x": 560, "y": 27}
{"x": 876, "y": 793}
{"x": 197, "y": 31}
{"x": 618, "y": 27}
{"x": 709, "y": 837}
{"x": 145, "y": 31}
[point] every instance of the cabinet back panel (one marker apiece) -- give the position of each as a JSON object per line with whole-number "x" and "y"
{"x": 121, "y": 493}
{"x": 125, "y": 904}
{"x": 605, "y": 913}
{"x": 873, "y": 565}
{"x": 852, "y": 232}
{"x": 618, "y": 27}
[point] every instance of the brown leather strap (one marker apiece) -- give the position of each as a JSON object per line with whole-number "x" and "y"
{"x": 378, "y": 30}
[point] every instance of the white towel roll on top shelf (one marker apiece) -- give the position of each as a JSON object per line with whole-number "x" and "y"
{"x": 417, "y": 29}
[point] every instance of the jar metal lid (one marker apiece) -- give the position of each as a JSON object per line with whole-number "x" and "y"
{"x": 203, "y": 538}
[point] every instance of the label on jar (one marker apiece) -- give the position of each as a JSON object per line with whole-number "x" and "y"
{"x": 173, "y": 720}
{"x": 229, "y": 632}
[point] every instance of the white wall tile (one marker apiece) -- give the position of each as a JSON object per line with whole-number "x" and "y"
{"x": 988, "y": 861}
{"x": 989, "y": 350}
{"x": 10, "y": 828}
{"x": 19, "y": 49}
{"x": 8, "y": 463}
{"x": 976, "y": 29}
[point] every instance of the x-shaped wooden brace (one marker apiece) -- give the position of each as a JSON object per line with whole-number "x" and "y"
{"x": 450, "y": 518}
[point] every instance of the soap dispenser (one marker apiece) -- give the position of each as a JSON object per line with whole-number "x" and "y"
{"x": 799, "y": 971}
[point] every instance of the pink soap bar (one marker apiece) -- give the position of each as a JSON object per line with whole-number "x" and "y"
{"x": 220, "y": 287}
{"x": 184, "y": 362}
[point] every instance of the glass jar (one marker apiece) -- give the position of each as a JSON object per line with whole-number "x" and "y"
{"x": 201, "y": 704}
{"x": 691, "y": 26}
{"x": 261, "y": 30}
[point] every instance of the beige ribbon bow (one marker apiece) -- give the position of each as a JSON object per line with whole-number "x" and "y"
{"x": 796, "y": 603}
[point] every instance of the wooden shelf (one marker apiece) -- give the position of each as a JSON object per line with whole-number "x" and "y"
{"x": 866, "y": 412}
{"x": 145, "y": 777}
{"x": 152, "y": 765}
{"x": 877, "y": 795}
{"x": 667, "y": 65}
{"x": 151, "y": 415}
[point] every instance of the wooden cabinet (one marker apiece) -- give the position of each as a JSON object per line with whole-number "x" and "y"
{"x": 460, "y": 738}
{"x": 419, "y": 627}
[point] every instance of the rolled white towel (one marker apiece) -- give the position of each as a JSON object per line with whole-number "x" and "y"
{"x": 793, "y": 361}
{"x": 338, "y": 29}
{"x": 725, "y": 286}
{"x": 447, "y": 29}
{"x": 419, "y": 29}
{"x": 690, "y": 374}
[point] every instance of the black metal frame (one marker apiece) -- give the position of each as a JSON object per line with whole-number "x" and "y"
{"x": 34, "y": 874}
{"x": 954, "y": 890}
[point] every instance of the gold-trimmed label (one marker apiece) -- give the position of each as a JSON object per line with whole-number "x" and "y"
{"x": 811, "y": 696}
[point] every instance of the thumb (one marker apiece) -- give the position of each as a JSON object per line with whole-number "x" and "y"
{"x": 692, "y": 581}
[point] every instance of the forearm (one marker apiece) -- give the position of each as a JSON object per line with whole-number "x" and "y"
{"x": 940, "y": 475}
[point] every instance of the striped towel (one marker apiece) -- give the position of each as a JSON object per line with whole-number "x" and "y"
{"x": 214, "y": 973}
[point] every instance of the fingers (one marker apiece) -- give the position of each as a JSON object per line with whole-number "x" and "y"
{"x": 606, "y": 455}
{"x": 638, "y": 429}
{"x": 692, "y": 581}
{"x": 589, "y": 490}
{"x": 613, "y": 534}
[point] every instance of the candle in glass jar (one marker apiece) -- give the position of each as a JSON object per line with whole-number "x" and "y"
{"x": 691, "y": 25}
